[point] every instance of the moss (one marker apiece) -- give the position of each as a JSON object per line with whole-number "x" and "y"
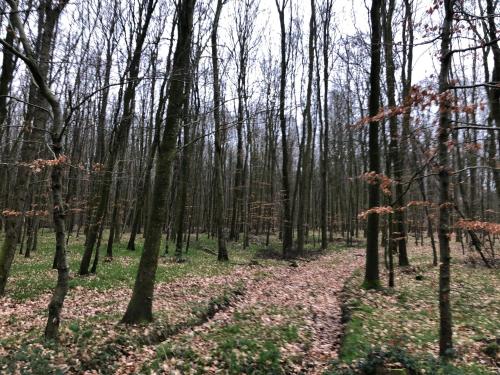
{"x": 371, "y": 285}
{"x": 354, "y": 344}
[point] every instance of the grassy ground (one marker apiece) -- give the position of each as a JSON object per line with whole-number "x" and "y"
{"x": 187, "y": 295}
{"x": 401, "y": 325}
{"x": 243, "y": 346}
{"x": 33, "y": 276}
{"x": 254, "y": 315}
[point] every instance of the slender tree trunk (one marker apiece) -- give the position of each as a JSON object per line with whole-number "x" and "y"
{"x": 305, "y": 180}
{"x": 401, "y": 161}
{"x": 285, "y": 182}
{"x": 237, "y": 194}
{"x": 141, "y": 304}
{"x": 114, "y": 225}
{"x": 423, "y": 193}
{"x": 184, "y": 174}
{"x": 372, "y": 278}
{"x": 218, "y": 157}
{"x": 445, "y": 331}
{"x": 393, "y": 154}
{"x": 494, "y": 97}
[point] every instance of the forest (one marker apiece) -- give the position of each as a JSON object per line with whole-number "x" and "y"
{"x": 250, "y": 187}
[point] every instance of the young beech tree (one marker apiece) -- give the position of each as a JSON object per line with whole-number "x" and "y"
{"x": 372, "y": 278}
{"x": 445, "y": 322}
{"x": 218, "y": 157}
{"x": 140, "y": 307}
{"x": 35, "y": 123}
{"x": 39, "y": 74}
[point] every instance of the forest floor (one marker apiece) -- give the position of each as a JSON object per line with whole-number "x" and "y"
{"x": 400, "y": 326}
{"x": 256, "y": 314}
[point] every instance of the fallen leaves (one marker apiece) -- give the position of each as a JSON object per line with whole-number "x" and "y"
{"x": 297, "y": 309}
{"x": 288, "y": 318}
{"x": 408, "y": 318}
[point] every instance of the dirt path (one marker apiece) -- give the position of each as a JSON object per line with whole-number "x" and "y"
{"x": 306, "y": 296}
{"x": 313, "y": 288}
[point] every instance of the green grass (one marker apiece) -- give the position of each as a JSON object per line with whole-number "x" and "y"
{"x": 407, "y": 318}
{"x": 354, "y": 342}
{"x": 243, "y": 345}
{"x": 31, "y": 277}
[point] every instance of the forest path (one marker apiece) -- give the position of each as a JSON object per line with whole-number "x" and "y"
{"x": 306, "y": 296}
{"x": 314, "y": 287}
{"x": 288, "y": 315}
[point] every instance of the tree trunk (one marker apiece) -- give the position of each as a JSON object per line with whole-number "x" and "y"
{"x": 494, "y": 97}
{"x": 305, "y": 177}
{"x": 218, "y": 157}
{"x": 445, "y": 319}
{"x": 184, "y": 174}
{"x": 140, "y": 306}
{"x": 372, "y": 278}
{"x": 287, "y": 224}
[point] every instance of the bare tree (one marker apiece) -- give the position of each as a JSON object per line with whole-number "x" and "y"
{"x": 285, "y": 180}
{"x": 218, "y": 160}
{"x": 445, "y": 320}
{"x": 56, "y": 133}
{"x": 141, "y": 303}
{"x": 35, "y": 120}
{"x": 372, "y": 278}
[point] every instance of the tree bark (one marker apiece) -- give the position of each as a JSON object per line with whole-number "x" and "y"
{"x": 218, "y": 157}
{"x": 372, "y": 278}
{"x": 287, "y": 224}
{"x": 445, "y": 318}
{"x": 140, "y": 306}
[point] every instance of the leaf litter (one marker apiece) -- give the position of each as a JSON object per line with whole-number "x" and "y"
{"x": 303, "y": 298}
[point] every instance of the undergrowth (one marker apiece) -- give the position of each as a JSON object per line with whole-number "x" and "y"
{"x": 401, "y": 325}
